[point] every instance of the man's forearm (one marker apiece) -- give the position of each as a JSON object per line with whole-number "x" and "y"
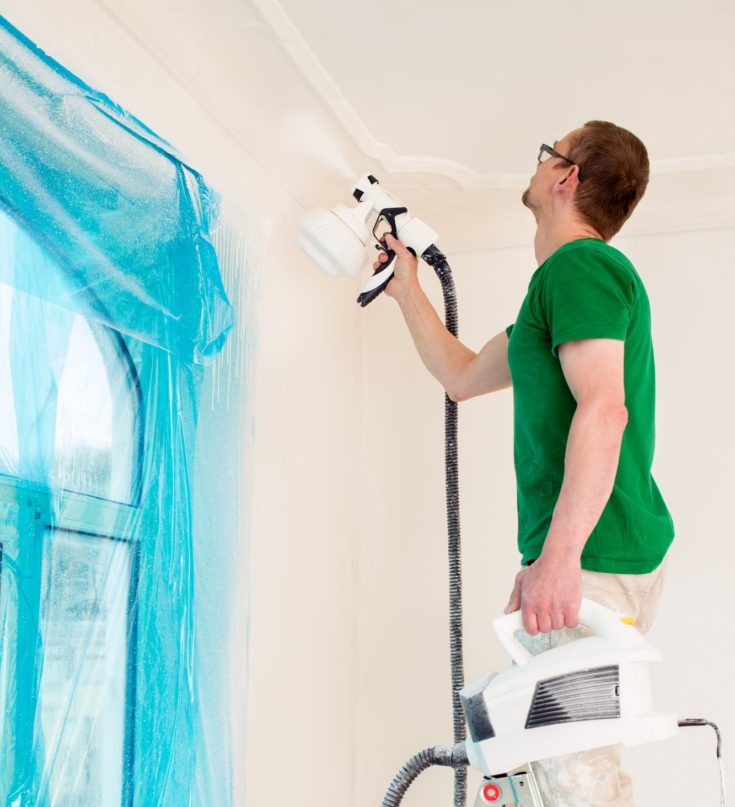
{"x": 443, "y": 355}
{"x": 591, "y": 463}
{"x": 462, "y": 372}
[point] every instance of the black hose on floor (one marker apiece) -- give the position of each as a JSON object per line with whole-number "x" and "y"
{"x": 438, "y": 755}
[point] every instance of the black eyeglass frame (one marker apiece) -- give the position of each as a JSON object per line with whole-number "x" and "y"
{"x": 546, "y": 148}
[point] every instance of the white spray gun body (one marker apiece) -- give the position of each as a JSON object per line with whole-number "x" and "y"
{"x": 337, "y": 239}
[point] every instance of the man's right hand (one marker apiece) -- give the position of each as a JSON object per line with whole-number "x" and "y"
{"x": 405, "y": 268}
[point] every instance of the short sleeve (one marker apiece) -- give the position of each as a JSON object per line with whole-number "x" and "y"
{"x": 509, "y": 329}
{"x": 587, "y": 295}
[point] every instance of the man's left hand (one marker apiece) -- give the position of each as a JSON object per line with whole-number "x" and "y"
{"x": 549, "y": 593}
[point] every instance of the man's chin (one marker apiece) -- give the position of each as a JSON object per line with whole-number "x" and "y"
{"x": 529, "y": 201}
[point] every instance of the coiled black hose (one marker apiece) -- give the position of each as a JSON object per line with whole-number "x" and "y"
{"x": 438, "y": 755}
{"x": 436, "y": 259}
{"x": 456, "y": 756}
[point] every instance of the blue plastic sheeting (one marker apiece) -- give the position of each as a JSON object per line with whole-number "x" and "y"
{"x": 124, "y": 217}
{"x": 119, "y": 483}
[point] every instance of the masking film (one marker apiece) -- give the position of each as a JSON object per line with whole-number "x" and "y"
{"x": 124, "y": 414}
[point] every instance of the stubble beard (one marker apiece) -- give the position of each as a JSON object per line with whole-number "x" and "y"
{"x": 526, "y": 198}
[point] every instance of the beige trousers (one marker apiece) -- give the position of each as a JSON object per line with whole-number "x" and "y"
{"x": 594, "y": 778}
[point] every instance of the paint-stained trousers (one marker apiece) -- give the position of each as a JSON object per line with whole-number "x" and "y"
{"x": 594, "y": 778}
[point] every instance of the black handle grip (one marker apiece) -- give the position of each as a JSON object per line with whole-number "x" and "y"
{"x": 370, "y": 292}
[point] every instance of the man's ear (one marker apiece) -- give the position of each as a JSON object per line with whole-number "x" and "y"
{"x": 570, "y": 181}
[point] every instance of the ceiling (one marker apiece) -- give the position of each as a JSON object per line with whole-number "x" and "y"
{"x": 446, "y": 106}
{"x": 452, "y": 100}
{"x": 480, "y": 83}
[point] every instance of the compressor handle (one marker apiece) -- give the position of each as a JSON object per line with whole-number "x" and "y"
{"x": 603, "y": 623}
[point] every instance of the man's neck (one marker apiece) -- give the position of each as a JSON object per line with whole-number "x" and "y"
{"x": 549, "y": 238}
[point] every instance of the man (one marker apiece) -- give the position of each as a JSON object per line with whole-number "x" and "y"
{"x": 579, "y": 356}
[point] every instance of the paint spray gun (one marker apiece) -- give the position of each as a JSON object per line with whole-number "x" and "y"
{"x": 336, "y": 239}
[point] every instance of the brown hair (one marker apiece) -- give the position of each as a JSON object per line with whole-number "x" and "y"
{"x": 613, "y": 170}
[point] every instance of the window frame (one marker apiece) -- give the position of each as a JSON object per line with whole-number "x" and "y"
{"x": 54, "y": 509}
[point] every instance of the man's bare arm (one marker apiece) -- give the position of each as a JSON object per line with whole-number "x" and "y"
{"x": 550, "y": 590}
{"x": 462, "y": 372}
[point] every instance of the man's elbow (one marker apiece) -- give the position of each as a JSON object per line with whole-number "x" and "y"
{"x": 459, "y": 392}
{"x": 456, "y": 386}
{"x": 462, "y": 388}
{"x": 618, "y": 414}
{"x": 454, "y": 394}
{"x": 613, "y": 415}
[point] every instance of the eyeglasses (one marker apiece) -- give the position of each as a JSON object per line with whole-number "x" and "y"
{"x": 544, "y": 150}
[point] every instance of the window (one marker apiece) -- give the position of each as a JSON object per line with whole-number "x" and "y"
{"x": 113, "y": 498}
{"x": 85, "y": 616}
{"x": 97, "y": 435}
{"x": 70, "y": 451}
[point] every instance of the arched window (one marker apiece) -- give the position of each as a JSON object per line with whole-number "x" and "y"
{"x": 70, "y": 455}
{"x": 96, "y": 398}
{"x": 98, "y": 437}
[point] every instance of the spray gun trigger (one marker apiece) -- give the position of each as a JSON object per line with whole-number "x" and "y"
{"x": 388, "y": 215}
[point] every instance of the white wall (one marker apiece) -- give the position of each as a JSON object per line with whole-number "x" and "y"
{"x": 403, "y": 646}
{"x": 303, "y": 568}
{"x": 691, "y": 284}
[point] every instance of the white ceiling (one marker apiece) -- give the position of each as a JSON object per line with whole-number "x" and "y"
{"x": 482, "y": 82}
{"x": 446, "y": 103}
{"x": 466, "y": 91}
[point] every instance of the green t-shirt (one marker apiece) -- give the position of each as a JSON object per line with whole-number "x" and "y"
{"x": 586, "y": 290}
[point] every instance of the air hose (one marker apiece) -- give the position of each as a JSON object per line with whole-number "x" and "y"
{"x": 456, "y": 756}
